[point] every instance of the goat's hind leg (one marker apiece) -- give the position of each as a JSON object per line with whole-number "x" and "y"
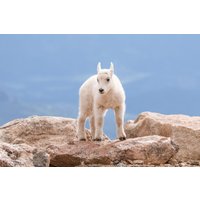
{"x": 119, "y": 116}
{"x": 81, "y": 127}
{"x": 99, "y": 121}
{"x": 92, "y": 126}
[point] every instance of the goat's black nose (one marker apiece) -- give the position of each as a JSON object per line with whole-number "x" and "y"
{"x": 101, "y": 90}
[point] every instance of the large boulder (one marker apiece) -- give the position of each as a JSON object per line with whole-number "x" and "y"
{"x": 40, "y": 131}
{"x": 183, "y": 130}
{"x": 154, "y": 150}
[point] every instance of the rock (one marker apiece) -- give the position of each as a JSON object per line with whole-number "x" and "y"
{"x": 41, "y": 159}
{"x": 79, "y": 153}
{"x": 22, "y": 155}
{"x": 16, "y": 155}
{"x": 40, "y": 131}
{"x": 43, "y": 141}
{"x": 183, "y": 130}
{"x": 149, "y": 150}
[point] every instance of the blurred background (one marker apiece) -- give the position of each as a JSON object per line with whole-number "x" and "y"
{"x": 41, "y": 74}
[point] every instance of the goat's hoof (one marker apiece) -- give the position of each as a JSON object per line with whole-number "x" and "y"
{"x": 97, "y": 139}
{"x": 122, "y": 138}
{"x": 82, "y": 139}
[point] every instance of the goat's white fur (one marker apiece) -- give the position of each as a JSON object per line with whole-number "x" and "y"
{"x": 94, "y": 105}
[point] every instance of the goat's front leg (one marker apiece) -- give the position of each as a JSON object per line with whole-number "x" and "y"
{"x": 119, "y": 116}
{"x": 81, "y": 129}
{"x": 99, "y": 112}
{"x": 92, "y": 126}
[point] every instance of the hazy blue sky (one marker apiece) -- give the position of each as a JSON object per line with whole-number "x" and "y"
{"x": 41, "y": 74}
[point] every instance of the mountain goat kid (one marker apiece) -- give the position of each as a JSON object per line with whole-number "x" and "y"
{"x": 98, "y": 94}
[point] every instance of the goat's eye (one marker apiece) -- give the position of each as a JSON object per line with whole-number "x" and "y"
{"x": 108, "y": 79}
{"x": 97, "y": 80}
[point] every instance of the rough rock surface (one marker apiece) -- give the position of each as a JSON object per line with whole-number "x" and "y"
{"x": 40, "y": 131}
{"x": 15, "y": 155}
{"x": 43, "y": 141}
{"x": 28, "y": 139}
{"x": 22, "y": 155}
{"x": 183, "y": 130}
{"x": 146, "y": 150}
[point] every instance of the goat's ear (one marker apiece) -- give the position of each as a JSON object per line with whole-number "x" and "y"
{"x": 99, "y": 67}
{"x": 111, "y": 68}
